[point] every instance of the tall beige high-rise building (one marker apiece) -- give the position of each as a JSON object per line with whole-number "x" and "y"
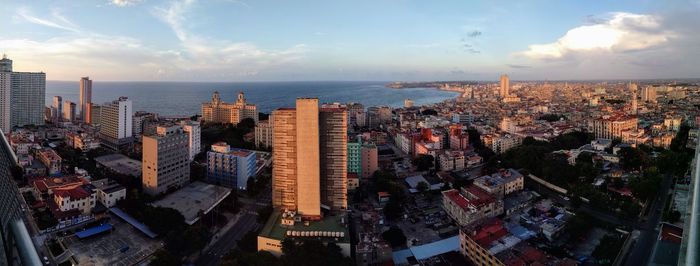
{"x": 505, "y": 86}
{"x": 165, "y": 161}
{"x": 309, "y": 158}
{"x": 220, "y": 112}
{"x": 85, "y": 99}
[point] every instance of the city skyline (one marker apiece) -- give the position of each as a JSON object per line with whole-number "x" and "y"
{"x": 267, "y": 41}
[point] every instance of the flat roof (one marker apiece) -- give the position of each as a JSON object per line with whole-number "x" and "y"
{"x": 120, "y": 163}
{"x": 426, "y": 251}
{"x": 331, "y": 223}
{"x": 194, "y": 198}
{"x": 93, "y": 231}
{"x": 133, "y": 222}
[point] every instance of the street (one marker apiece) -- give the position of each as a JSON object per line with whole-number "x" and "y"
{"x": 642, "y": 248}
{"x": 228, "y": 241}
{"x": 247, "y": 222}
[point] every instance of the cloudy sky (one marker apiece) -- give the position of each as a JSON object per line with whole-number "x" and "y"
{"x": 260, "y": 40}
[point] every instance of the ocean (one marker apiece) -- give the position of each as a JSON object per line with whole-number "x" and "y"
{"x": 185, "y": 98}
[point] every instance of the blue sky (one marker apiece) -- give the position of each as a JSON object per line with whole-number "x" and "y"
{"x": 245, "y": 40}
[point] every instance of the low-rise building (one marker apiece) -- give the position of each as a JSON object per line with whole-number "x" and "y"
{"x": 370, "y": 159}
{"x": 451, "y": 160}
{"x": 470, "y": 204}
{"x": 51, "y": 160}
{"x": 81, "y": 198}
{"x": 230, "y": 167}
{"x": 263, "y": 134}
{"x": 501, "y": 183}
{"x": 289, "y": 225}
{"x": 109, "y": 193}
{"x": 194, "y": 137}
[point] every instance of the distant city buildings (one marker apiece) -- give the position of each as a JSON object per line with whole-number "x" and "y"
{"x": 21, "y": 97}
{"x": 218, "y": 111}
{"x": 165, "y": 162}
{"x": 408, "y": 103}
{"x": 95, "y": 114}
{"x": 194, "y": 137}
{"x": 69, "y": 111}
{"x": 230, "y": 167}
{"x": 649, "y": 94}
{"x": 504, "y": 89}
{"x": 263, "y": 134}
{"x": 85, "y": 99}
{"x": 116, "y": 124}
{"x": 612, "y": 126}
{"x": 57, "y": 109}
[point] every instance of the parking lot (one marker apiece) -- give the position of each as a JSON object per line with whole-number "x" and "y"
{"x": 425, "y": 220}
{"x": 111, "y": 248}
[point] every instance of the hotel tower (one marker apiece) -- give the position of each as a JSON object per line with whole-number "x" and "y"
{"x": 310, "y": 158}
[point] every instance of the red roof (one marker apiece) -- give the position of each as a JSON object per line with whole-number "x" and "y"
{"x": 478, "y": 196}
{"x": 490, "y": 232}
{"x": 457, "y": 198}
{"x": 74, "y": 193}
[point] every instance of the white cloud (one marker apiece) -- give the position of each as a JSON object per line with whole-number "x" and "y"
{"x": 622, "y": 32}
{"x": 108, "y": 57}
{"x": 62, "y": 23}
{"x": 123, "y": 3}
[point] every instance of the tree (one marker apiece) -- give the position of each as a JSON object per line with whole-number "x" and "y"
{"x": 633, "y": 158}
{"x": 395, "y": 237}
{"x": 422, "y": 186}
{"x": 424, "y": 162}
{"x": 393, "y": 209}
{"x": 681, "y": 140}
{"x": 264, "y": 214}
{"x": 249, "y": 242}
{"x": 312, "y": 252}
{"x": 578, "y": 226}
{"x": 164, "y": 258}
{"x": 429, "y": 112}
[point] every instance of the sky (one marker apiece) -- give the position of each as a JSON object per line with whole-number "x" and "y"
{"x": 387, "y": 40}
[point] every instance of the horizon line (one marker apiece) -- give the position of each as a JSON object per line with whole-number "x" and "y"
{"x": 389, "y": 81}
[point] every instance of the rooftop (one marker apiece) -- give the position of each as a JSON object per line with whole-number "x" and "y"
{"x": 50, "y": 154}
{"x": 331, "y": 223}
{"x": 121, "y": 164}
{"x": 194, "y": 198}
{"x": 73, "y": 193}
